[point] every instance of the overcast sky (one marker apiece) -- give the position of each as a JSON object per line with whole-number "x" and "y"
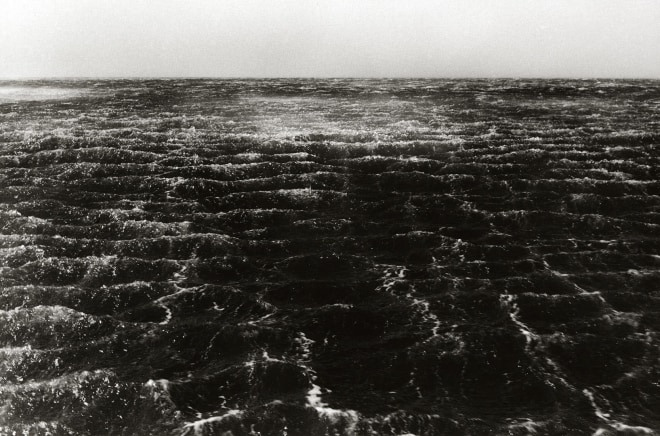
{"x": 330, "y": 38}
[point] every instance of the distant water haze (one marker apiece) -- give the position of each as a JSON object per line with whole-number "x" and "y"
{"x": 323, "y": 38}
{"x": 29, "y": 93}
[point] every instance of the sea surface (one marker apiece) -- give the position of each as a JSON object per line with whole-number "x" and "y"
{"x": 330, "y": 257}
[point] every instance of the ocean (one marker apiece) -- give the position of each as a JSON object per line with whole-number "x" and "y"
{"x": 329, "y": 257}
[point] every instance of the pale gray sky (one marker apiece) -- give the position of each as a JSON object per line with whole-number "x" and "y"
{"x": 330, "y": 38}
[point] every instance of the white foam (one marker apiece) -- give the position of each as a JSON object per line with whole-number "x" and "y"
{"x": 70, "y": 382}
{"x": 314, "y": 397}
{"x": 158, "y": 387}
{"x": 426, "y": 312}
{"x": 636, "y": 429}
{"x": 597, "y": 410}
{"x": 168, "y": 314}
{"x": 266, "y": 357}
{"x": 16, "y": 350}
{"x": 628, "y": 429}
{"x": 508, "y": 301}
{"x": 263, "y": 318}
{"x": 616, "y": 425}
{"x": 529, "y": 425}
{"x": 305, "y": 346}
{"x": 54, "y": 314}
{"x": 197, "y": 427}
{"x": 336, "y": 416}
{"x": 392, "y": 275}
{"x": 162, "y": 301}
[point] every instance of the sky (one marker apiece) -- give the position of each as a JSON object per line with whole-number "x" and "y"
{"x": 330, "y": 38}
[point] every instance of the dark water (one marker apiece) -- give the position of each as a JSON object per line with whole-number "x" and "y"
{"x": 334, "y": 257}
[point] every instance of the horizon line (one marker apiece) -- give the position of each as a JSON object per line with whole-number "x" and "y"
{"x": 165, "y": 77}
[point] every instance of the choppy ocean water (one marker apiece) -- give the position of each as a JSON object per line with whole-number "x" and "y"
{"x": 330, "y": 257}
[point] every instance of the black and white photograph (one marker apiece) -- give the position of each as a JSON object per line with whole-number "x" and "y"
{"x": 329, "y": 217}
